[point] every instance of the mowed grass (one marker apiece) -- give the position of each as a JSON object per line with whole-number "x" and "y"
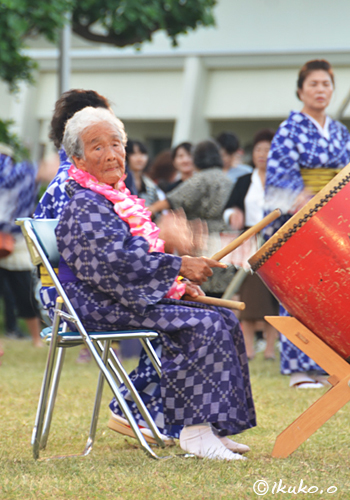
{"x": 117, "y": 469}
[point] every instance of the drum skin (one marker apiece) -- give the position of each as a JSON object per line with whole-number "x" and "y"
{"x": 309, "y": 273}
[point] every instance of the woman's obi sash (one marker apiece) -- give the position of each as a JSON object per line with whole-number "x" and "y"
{"x": 316, "y": 179}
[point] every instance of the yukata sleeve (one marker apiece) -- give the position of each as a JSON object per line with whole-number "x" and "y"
{"x": 283, "y": 179}
{"x": 98, "y": 247}
{"x": 54, "y": 199}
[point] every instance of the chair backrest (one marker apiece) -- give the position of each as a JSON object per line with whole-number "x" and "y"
{"x": 42, "y": 245}
{"x": 44, "y": 230}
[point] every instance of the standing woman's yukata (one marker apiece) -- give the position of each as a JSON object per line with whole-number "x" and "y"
{"x": 114, "y": 281}
{"x": 299, "y": 146}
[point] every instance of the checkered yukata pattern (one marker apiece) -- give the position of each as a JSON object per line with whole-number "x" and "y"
{"x": 299, "y": 144}
{"x": 204, "y": 366}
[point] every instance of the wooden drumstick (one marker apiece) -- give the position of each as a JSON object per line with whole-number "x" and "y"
{"x": 247, "y": 234}
{"x": 213, "y": 301}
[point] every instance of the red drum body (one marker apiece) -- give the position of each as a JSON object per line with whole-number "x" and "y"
{"x": 306, "y": 264}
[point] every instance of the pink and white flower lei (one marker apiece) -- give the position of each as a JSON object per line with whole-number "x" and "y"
{"x": 131, "y": 210}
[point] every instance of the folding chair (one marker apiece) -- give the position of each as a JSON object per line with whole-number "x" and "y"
{"x": 41, "y": 242}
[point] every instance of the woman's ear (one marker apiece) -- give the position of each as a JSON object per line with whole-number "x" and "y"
{"x": 79, "y": 162}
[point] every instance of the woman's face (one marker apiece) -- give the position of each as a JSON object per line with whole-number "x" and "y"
{"x": 137, "y": 160}
{"x": 260, "y": 152}
{"x": 183, "y": 162}
{"x": 104, "y": 153}
{"x": 317, "y": 90}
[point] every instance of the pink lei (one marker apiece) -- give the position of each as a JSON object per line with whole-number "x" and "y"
{"x": 131, "y": 210}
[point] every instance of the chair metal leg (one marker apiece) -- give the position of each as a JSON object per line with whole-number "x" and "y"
{"x": 52, "y": 398}
{"x": 97, "y": 404}
{"x": 118, "y": 378}
{"x": 151, "y": 353}
{"x": 137, "y": 399}
{"x": 116, "y": 392}
{"x": 38, "y": 425}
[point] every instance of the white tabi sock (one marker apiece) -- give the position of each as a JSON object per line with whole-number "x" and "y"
{"x": 233, "y": 446}
{"x": 230, "y": 444}
{"x": 202, "y": 442}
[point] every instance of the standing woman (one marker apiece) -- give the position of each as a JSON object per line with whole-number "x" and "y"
{"x": 245, "y": 208}
{"x": 307, "y": 151}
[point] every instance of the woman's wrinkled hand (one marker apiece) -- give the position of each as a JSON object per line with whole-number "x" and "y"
{"x": 198, "y": 269}
{"x": 181, "y": 236}
{"x": 193, "y": 290}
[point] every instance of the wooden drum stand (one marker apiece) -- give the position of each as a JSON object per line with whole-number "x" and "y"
{"x": 328, "y": 404}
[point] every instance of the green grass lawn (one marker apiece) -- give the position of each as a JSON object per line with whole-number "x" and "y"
{"x": 118, "y": 469}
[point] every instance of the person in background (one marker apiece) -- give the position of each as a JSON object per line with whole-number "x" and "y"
{"x": 162, "y": 171}
{"x": 244, "y": 209}
{"x": 175, "y": 167}
{"x": 18, "y": 189}
{"x": 204, "y": 197}
{"x": 307, "y": 151}
{"x": 181, "y": 237}
{"x": 55, "y": 197}
{"x": 137, "y": 160}
{"x": 205, "y": 194}
{"x": 183, "y": 163}
{"x": 232, "y": 154}
{"x": 12, "y": 329}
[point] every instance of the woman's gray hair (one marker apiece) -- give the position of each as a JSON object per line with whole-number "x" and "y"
{"x": 84, "y": 119}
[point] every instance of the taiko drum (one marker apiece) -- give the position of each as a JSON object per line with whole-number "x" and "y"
{"x": 306, "y": 264}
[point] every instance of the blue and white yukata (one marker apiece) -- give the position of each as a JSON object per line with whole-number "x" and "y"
{"x": 111, "y": 278}
{"x": 300, "y": 143}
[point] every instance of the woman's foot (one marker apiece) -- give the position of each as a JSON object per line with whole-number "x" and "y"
{"x": 323, "y": 379}
{"x": 301, "y": 380}
{"x": 201, "y": 441}
{"x": 233, "y": 446}
{"x": 122, "y": 426}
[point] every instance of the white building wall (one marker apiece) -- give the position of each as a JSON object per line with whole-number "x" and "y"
{"x": 239, "y": 75}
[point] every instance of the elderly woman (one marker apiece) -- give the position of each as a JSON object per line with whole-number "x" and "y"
{"x": 114, "y": 271}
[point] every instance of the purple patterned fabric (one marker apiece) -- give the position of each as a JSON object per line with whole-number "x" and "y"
{"x": 205, "y": 373}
